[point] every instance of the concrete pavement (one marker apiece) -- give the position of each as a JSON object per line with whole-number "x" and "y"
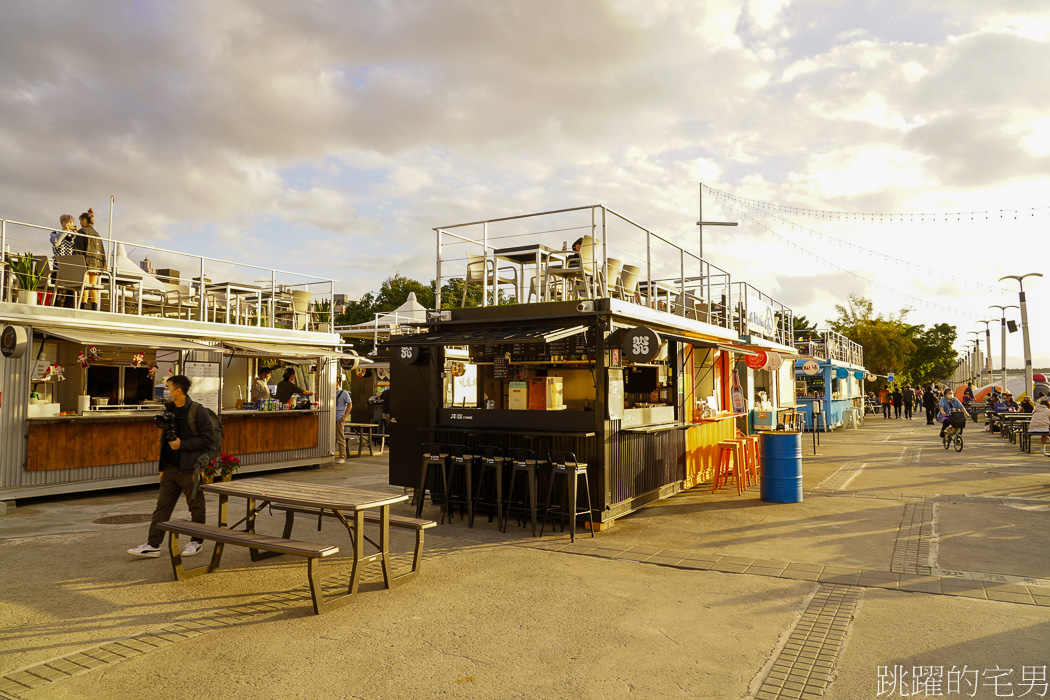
{"x": 900, "y": 555}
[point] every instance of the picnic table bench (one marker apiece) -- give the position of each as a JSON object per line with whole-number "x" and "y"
{"x": 365, "y": 432}
{"x": 402, "y": 522}
{"x": 256, "y": 543}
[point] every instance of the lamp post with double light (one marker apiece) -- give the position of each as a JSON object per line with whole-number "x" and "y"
{"x": 978, "y": 366}
{"x": 988, "y": 348}
{"x": 1028, "y": 381}
{"x": 1003, "y": 327}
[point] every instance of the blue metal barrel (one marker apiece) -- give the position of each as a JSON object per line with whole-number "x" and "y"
{"x": 781, "y": 467}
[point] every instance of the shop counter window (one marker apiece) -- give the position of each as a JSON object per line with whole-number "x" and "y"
{"x": 127, "y": 386}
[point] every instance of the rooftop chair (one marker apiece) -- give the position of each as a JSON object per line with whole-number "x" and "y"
{"x": 481, "y": 270}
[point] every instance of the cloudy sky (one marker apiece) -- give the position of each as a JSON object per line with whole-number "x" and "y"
{"x": 332, "y": 137}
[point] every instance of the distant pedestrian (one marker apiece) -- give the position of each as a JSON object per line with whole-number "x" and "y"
{"x": 968, "y": 392}
{"x": 929, "y": 402}
{"x": 898, "y": 401}
{"x": 885, "y": 401}
{"x": 909, "y": 400}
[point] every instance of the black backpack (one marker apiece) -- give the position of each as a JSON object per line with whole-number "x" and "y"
{"x": 216, "y": 446}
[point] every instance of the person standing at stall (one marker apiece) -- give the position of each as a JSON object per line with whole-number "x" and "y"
{"x": 287, "y": 387}
{"x": 260, "y": 387}
{"x": 89, "y": 244}
{"x": 343, "y": 405}
{"x": 177, "y": 458}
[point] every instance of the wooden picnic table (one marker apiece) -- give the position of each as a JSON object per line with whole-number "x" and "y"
{"x": 348, "y": 505}
{"x": 364, "y": 432}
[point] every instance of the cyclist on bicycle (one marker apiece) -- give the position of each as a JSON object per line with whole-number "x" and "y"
{"x": 951, "y": 412}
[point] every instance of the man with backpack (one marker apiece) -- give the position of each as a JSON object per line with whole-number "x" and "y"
{"x": 188, "y": 438}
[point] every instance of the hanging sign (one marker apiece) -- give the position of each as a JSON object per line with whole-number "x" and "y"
{"x": 811, "y": 367}
{"x": 858, "y": 375}
{"x": 842, "y": 373}
{"x": 773, "y": 361}
{"x": 871, "y": 377}
{"x": 13, "y": 341}
{"x": 641, "y": 344}
{"x": 758, "y": 360}
{"x": 408, "y": 354}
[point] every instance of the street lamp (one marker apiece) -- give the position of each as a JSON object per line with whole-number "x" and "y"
{"x": 977, "y": 364}
{"x": 988, "y": 348}
{"x": 701, "y": 223}
{"x": 1003, "y": 327}
{"x": 1024, "y": 330}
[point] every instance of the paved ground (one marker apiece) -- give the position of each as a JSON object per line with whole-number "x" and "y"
{"x": 904, "y": 562}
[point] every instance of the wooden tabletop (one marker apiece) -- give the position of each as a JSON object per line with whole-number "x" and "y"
{"x": 297, "y": 493}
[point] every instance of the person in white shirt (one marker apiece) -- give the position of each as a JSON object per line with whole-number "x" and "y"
{"x": 1040, "y": 424}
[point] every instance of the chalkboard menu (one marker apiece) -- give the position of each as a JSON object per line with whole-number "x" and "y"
{"x": 577, "y": 348}
{"x": 500, "y": 366}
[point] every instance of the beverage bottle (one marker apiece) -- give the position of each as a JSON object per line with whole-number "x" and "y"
{"x": 737, "y": 393}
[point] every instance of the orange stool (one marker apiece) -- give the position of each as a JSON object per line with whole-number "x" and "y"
{"x": 730, "y": 452}
{"x": 748, "y": 464}
{"x": 756, "y": 457}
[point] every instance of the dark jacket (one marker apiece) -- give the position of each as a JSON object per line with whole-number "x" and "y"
{"x": 929, "y": 400}
{"x": 898, "y": 398}
{"x": 89, "y": 244}
{"x": 285, "y": 389}
{"x": 192, "y": 445}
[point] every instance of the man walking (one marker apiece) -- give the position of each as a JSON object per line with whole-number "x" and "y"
{"x": 898, "y": 401}
{"x": 929, "y": 402}
{"x": 909, "y": 400}
{"x": 343, "y": 404}
{"x": 179, "y": 449}
{"x": 885, "y": 401}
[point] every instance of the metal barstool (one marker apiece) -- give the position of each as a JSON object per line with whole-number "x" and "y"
{"x": 491, "y": 459}
{"x": 524, "y": 462}
{"x": 434, "y": 455}
{"x": 564, "y": 464}
{"x": 460, "y": 457}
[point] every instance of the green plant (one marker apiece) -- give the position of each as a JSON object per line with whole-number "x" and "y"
{"x": 27, "y": 270}
{"x": 223, "y": 465}
{"x": 323, "y": 310}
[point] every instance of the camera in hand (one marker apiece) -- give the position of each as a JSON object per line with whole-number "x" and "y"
{"x": 166, "y": 422}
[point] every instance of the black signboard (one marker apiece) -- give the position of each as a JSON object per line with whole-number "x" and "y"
{"x": 641, "y": 344}
{"x": 408, "y": 354}
{"x": 13, "y": 341}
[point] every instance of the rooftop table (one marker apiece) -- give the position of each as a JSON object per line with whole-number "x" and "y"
{"x": 349, "y": 506}
{"x": 535, "y": 254}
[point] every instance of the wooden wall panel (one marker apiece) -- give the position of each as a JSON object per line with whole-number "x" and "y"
{"x": 261, "y": 433}
{"x": 77, "y": 444}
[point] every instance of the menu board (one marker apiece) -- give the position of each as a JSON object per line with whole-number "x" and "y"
{"x": 206, "y": 385}
{"x": 578, "y": 348}
{"x": 615, "y": 394}
{"x": 500, "y": 366}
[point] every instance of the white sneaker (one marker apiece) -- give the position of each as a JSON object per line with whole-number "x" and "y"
{"x": 192, "y": 548}
{"x": 145, "y": 550}
{"x": 340, "y": 461}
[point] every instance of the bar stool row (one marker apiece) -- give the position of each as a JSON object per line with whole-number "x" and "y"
{"x": 459, "y": 464}
{"x": 738, "y": 460}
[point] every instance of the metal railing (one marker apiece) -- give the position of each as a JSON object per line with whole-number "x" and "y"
{"x": 757, "y": 313}
{"x": 829, "y": 345}
{"x": 617, "y": 258}
{"x": 265, "y": 292}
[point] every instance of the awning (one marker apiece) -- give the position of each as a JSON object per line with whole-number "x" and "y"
{"x": 757, "y": 343}
{"x": 533, "y": 334}
{"x": 292, "y": 351}
{"x": 125, "y": 340}
{"x": 714, "y": 345}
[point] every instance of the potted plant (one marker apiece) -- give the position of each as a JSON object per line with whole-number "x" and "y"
{"x": 27, "y": 271}
{"x": 222, "y": 467}
{"x": 323, "y": 314}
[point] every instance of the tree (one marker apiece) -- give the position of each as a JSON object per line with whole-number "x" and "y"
{"x": 934, "y": 358}
{"x": 801, "y": 324}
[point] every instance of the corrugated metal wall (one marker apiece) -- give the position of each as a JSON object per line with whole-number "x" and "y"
{"x": 14, "y": 387}
{"x": 643, "y": 462}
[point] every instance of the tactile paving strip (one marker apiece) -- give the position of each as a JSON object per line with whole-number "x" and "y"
{"x": 911, "y": 550}
{"x": 804, "y": 665}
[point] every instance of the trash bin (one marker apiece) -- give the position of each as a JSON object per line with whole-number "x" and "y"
{"x": 781, "y": 467}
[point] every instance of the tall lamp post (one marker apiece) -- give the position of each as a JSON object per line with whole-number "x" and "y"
{"x": 988, "y": 348}
{"x": 978, "y": 366}
{"x": 1024, "y": 330}
{"x": 701, "y": 223}
{"x": 1003, "y": 327}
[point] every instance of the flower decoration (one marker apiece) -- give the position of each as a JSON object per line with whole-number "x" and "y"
{"x": 137, "y": 359}
{"x": 223, "y": 465}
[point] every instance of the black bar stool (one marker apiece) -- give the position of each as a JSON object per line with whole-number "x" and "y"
{"x": 524, "y": 462}
{"x": 460, "y": 458}
{"x": 491, "y": 458}
{"x": 434, "y": 455}
{"x": 565, "y": 464}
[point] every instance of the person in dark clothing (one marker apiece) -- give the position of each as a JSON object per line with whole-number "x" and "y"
{"x": 909, "y": 400}
{"x": 929, "y": 402}
{"x": 89, "y": 244}
{"x": 177, "y": 458}
{"x": 898, "y": 401}
{"x": 968, "y": 392}
{"x": 286, "y": 388}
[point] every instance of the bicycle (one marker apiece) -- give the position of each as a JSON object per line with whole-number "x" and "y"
{"x": 953, "y": 436}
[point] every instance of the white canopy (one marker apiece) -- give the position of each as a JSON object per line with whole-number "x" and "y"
{"x": 128, "y": 266}
{"x": 409, "y": 312}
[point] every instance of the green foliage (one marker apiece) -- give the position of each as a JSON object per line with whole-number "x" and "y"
{"x": 916, "y": 354}
{"x": 27, "y": 271}
{"x": 801, "y": 324}
{"x": 323, "y": 310}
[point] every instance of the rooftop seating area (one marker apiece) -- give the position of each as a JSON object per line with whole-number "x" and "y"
{"x": 592, "y": 252}
{"x": 829, "y": 345}
{"x": 157, "y": 282}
